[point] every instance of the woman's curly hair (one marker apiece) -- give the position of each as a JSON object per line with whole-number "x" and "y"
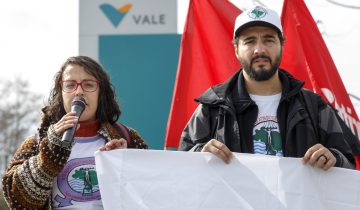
{"x": 108, "y": 108}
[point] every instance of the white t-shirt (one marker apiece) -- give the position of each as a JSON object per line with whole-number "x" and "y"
{"x": 77, "y": 187}
{"x": 266, "y": 133}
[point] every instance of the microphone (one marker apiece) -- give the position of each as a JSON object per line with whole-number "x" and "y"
{"x": 77, "y": 106}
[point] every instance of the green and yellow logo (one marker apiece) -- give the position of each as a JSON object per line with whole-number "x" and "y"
{"x": 115, "y": 15}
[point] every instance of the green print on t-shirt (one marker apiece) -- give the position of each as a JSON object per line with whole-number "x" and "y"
{"x": 271, "y": 139}
{"x": 89, "y": 178}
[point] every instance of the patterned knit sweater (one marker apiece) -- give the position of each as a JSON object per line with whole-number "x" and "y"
{"x": 29, "y": 178}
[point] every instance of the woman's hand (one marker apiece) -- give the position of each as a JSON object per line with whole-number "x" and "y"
{"x": 114, "y": 144}
{"x": 66, "y": 122}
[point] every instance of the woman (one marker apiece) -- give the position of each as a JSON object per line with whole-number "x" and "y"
{"x": 47, "y": 173}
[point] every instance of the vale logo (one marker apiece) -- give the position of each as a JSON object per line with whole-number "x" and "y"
{"x": 115, "y": 15}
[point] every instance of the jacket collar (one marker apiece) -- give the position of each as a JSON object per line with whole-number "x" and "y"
{"x": 291, "y": 86}
{"x": 219, "y": 93}
{"x": 108, "y": 132}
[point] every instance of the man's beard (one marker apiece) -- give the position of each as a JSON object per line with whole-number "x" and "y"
{"x": 262, "y": 74}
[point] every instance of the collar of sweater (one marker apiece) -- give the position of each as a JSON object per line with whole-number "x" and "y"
{"x": 87, "y": 129}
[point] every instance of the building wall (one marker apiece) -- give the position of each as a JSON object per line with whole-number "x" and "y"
{"x": 143, "y": 70}
{"x": 138, "y": 44}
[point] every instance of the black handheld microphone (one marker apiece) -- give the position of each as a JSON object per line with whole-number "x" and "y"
{"x": 77, "y": 106}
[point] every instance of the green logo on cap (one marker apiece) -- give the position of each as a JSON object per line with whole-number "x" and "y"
{"x": 257, "y": 13}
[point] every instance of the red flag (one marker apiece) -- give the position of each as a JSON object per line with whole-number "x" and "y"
{"x": 306, "y": 57}
{"x": 207, "y": 57}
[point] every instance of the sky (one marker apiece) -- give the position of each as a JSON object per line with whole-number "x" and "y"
{"x": 37, "y": 36}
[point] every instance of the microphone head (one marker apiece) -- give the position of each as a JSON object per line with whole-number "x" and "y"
{"x": 78, "y": 101}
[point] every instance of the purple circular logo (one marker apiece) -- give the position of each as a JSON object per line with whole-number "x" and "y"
{"x": 78, "y": 182}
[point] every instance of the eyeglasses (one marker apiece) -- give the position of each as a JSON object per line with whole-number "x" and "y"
{"x": 87, "y": 85}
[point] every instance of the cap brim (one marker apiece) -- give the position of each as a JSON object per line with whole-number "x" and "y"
{"x": 255, "y": 23}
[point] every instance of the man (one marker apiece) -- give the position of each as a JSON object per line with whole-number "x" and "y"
{"x": 261, "y": 109}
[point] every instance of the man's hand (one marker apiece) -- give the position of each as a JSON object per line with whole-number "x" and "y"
{"x": 219, "y": 149}
{"x": 319, "y": 156}
{"x": 114, "y": 144}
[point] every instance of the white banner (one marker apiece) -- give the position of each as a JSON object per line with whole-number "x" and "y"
{"x": 154, "y": 179}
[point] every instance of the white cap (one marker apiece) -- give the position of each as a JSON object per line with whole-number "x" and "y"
{"x": 257, "y": 16}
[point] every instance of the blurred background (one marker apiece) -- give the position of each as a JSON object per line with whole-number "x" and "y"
{"x": 139, "y": 48}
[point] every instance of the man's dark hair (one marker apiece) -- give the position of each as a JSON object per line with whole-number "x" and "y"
{"x": 281, "y": 38}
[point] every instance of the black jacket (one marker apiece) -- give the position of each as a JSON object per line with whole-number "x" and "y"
{"x": 227, "y": 113}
